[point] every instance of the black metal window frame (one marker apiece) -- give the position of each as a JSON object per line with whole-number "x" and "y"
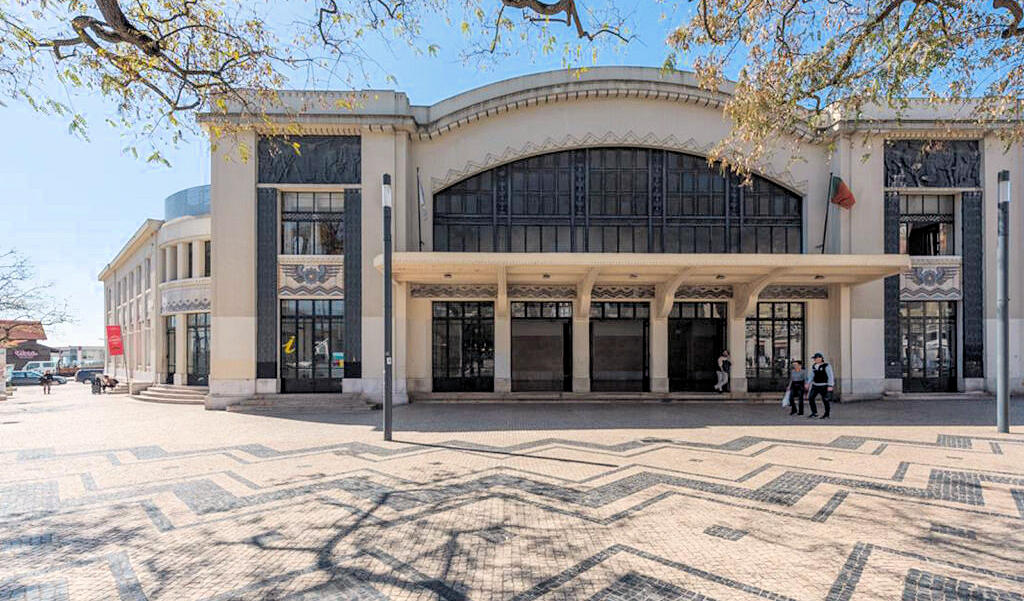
{"x": 170, "y": 346}
{"x": 616, "y": 200}
{"x": 774, "y": 375}
{"x": 313, "y": 223}
{"x": 207, "y": 268}
{"x": 473, "y": 367}
{"x": 703, "y": 311}
{"x": 698, "y": 310}
{"x": 197, "y": 339}
{"x": 312, "y": 333}
{"x": 918, "y": 315}
{"x": 918, "y": 209}
{"x": 541, "y": 309}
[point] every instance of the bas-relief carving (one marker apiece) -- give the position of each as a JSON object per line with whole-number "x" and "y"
{"x": 453, "y": 291}
{"x": 591, "y": 140}
{"x": 616, "y": 292}
{"x": 932, "y": 282}
{"x": 540, "y": 291}
{"x": 181, "y": 299}
{"x": 311, "y": 277}
{"x": 320, "y": 160}
{"x": 797, "y": 292}
{"x": 704, "y": 292}
{"x": 932, "y": 164}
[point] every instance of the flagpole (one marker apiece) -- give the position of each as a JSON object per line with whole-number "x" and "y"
{"x": 419, "y": 209}
{"x": 828, "y": 209}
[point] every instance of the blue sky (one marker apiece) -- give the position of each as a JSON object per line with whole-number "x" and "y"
{"x": 70, "y": 205}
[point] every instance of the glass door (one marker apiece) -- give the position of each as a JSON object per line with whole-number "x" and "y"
{"x": 198, "y": 349}
{"x": 312, "y": 350}
{"x": 696, "y": 337}
{"x": 928, "y": 330}
{"x": 171, "y": 328}
{"x": 463, "y": 346}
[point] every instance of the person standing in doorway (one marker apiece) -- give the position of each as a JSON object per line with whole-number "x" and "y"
{"x": 724, "y": 367}
{"x": 797, "y": 381}
{"x": 820, "y": 382}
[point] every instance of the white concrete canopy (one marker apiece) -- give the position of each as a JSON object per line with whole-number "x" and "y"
{"x": 752, "y": 272}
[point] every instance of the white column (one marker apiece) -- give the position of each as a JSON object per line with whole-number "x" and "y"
{"x": 659, "y": 353}
{"x": 198, "y": 258}
{"x": 182, "y": 248}
{"x": 502, "y": 349}
{"x": 169, "y": 271}
{"x": 737, "y": 336}
{"x": 181, "y": 349}
{"x": 580, "y": 351}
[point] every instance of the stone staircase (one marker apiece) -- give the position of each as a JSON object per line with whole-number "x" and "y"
{"x": 303, "y": 403}
{"x": 121, "y": 388}
{"x": 175, "y": 395}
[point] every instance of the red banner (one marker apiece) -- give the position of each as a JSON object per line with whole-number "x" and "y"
{"x": 115, "y": 346}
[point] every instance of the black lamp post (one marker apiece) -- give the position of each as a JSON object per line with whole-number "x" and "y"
{"x": 1002, "y": 306}
{"x": 386, "y": 201}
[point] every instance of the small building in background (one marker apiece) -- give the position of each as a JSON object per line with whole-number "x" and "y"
{"x": 22, "y": 342}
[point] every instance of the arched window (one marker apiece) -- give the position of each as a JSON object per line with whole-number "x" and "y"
{"x": 616, "y": 200}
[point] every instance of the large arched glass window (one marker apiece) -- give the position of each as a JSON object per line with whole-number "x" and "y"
{"x": 616, "y": 200}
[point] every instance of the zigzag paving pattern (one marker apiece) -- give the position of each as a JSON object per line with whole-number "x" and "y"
{"x": 110, "y": 498}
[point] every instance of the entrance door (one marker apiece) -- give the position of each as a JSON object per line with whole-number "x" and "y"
{"x": 171, "y": 329}
{"x": 541, "y": 346}
{"x": 312, "y": 354}
{"x": 463, "y": 346}
{"x": 928, "y": 331}
{"x": 696, "y": 336}
{"x": 198, "y": 349}
{"x": 619, "y": 358}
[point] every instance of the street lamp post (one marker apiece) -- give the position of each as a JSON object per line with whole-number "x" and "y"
{"x": 1002, "y": 306}
{"x": 386, "y": 201}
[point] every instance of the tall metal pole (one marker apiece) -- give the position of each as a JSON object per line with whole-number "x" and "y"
{"x": 387, "y": 202}
{"x": 1003, "y": 306}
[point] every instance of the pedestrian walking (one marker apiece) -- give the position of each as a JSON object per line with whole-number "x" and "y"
{"x": 820, "y": 382}
{"x": 797, "y": 381}
{"x": 47, "y": 381}
{"x": 724, "y": 367}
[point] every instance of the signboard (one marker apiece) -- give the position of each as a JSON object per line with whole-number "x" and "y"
{"x": 338, "y": 360}
{"x": 115, "y": 346}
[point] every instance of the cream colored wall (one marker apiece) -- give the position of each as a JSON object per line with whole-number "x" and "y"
{"x": 418, "y": 348}
{"x": 139, "y": 315}
{"x": 233, "y": 289}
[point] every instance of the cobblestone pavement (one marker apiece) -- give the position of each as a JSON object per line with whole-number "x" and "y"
{"x": 111, "y": 498}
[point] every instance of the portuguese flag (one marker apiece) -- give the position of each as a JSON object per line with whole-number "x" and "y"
{"x": 839, "y": 193}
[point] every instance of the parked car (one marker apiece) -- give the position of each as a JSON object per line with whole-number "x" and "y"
{"x": 30, "y": 378}
{"x": 40, "y": 366}
{"x": 85, "y": 376}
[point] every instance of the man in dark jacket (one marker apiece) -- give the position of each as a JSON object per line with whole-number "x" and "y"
{"x": 820, "y": 382}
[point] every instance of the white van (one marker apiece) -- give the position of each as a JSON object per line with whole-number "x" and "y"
{"x": 40, "y": 366}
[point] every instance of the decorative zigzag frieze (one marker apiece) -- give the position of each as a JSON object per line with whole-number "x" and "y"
{"x": 331, "y": 291}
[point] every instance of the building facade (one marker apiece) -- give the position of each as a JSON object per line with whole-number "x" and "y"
{"x": 563, "y": 234}
{"x": 157, "y": 289}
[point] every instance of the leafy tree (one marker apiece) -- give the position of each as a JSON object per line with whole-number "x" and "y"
{"x": 798, "y": 65}
{"x": 22, "y": 298}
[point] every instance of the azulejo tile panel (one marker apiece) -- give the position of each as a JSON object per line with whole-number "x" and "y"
{"x": 311, "y": 276}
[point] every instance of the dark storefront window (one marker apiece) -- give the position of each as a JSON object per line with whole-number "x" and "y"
{"x": 696, "y": 337}
{"x": 541, "y": 346}
{"x": 463, "y": 346}
{"x": 927, "y": 224}
{"x": 170, "y": 324}
{"x": 775, "y": 337}
{"x": 615, "y": 200}
{"x": 207, "y": 267}
{"x": 928, "y": 330}
{"x": 312, "y": 351}
{"x": 198, "y": 340}
{"x": 619, "y": 347}
{"x": 312, "y": 223}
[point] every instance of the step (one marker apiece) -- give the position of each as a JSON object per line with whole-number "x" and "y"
{"x": 596, "y": 397}
{"x": 174, "y": 392}
{"x": 179, "y": 387}
{"x": 302, "y": 403}
{"x": 145, "y": 396}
